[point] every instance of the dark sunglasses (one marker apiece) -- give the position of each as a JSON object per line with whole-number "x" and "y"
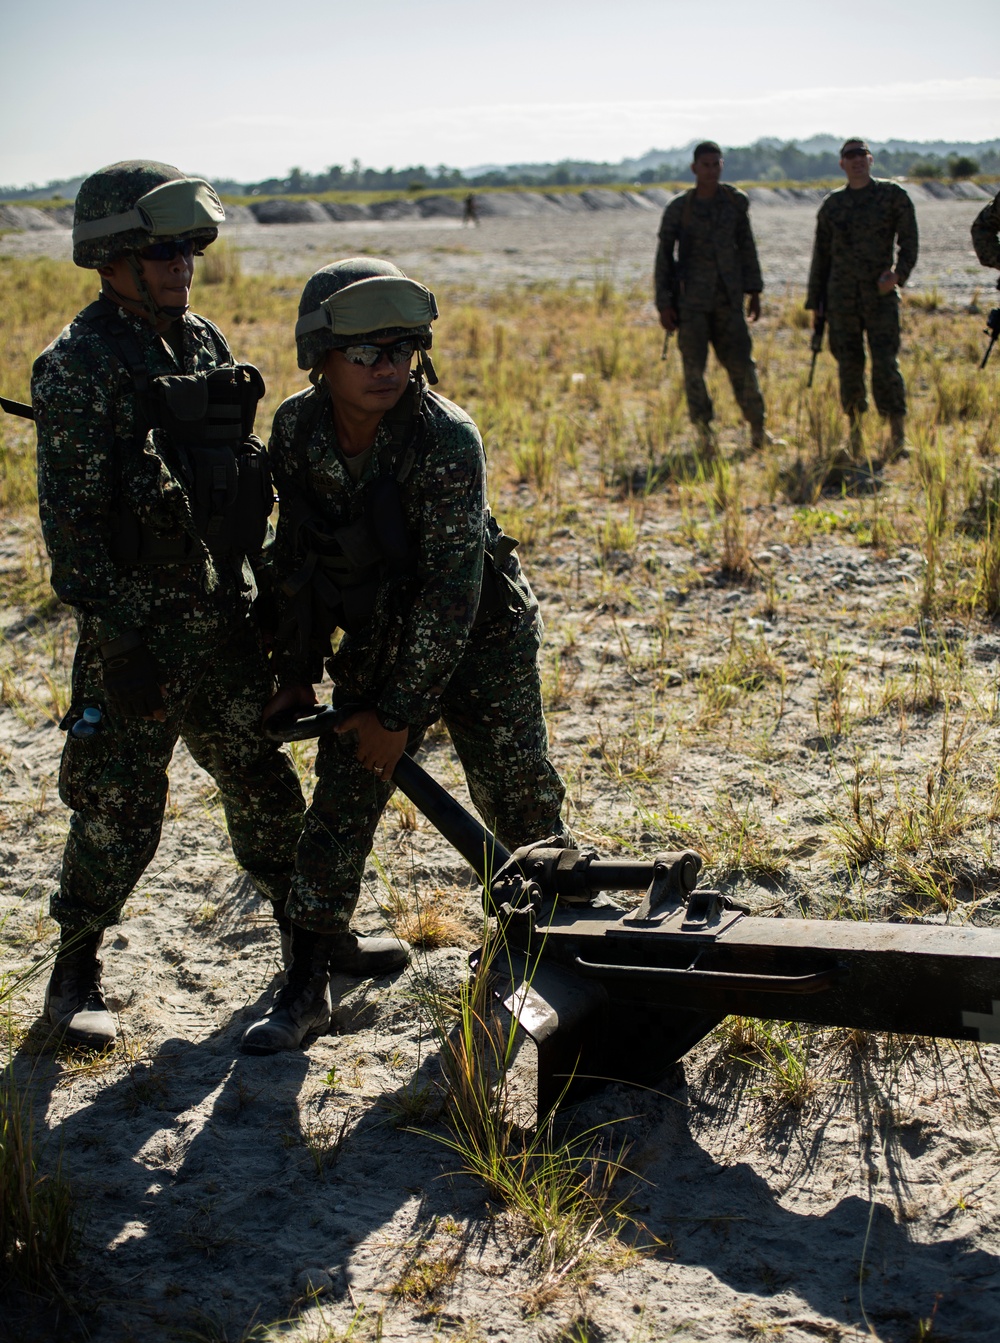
{"x": 166, "y": 251}
{"x": 399, "y": 352}
{"x": 855, "y": 154}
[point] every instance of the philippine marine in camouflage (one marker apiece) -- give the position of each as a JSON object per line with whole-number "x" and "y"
{"x": 855, "y": 282}
{"x": 154, "y": 497}
{"x": 384, "y": 532}
{"x": 705, "y": 262}
{"x": 986, "y": 234}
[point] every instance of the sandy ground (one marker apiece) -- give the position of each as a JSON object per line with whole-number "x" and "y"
{"x": 870, "y": 1212}
{"x": 575, "y": 247}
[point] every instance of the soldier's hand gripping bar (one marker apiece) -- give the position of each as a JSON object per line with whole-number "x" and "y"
{"x": 481, "y": 850}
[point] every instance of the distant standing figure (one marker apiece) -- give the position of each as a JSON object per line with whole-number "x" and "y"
{"x": 854, "y": 280}
{"x": 706, "y": 261}
{"x": 986, "y": 234}
{"x": 471, "y": 215}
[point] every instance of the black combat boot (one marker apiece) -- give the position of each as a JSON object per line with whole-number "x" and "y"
{"x": 302, "y": 1009}
{"x": 897, "y": 434}
{"x": 368, "y": 957}
{"x": 362, "y": 957}
{"x": 74, "y": 999}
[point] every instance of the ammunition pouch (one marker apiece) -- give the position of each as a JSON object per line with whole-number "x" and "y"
{"x": 207, "y": 420}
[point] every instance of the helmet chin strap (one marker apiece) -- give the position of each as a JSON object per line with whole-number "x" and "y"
{"x": 156, "y": 312}
{"x": 426, "y": 366}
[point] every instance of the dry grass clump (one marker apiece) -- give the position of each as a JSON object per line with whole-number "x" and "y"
{"x": 427, "y": 922}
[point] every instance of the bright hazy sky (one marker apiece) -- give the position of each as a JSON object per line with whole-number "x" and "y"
{"x": 247, "y": 90}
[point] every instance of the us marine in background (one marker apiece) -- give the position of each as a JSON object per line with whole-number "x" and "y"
{"x": 864, "y": 250}
{"x": 705, "y": 262}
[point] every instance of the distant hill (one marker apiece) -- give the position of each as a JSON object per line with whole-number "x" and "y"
{"x": 767, "y": 159}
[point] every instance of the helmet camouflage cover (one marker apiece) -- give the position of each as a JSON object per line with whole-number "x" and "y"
{"x": 126, "y": 206}
{"x": 357, "y": 300}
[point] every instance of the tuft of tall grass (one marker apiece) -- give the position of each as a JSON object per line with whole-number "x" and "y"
{"x": 562, "y": 1188}
{"x": 727, "y": 501}
{"x": 39, "y": 1225}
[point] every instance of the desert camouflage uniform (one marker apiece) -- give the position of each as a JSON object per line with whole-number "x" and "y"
{"x": 716, "y": 265}
{"x": 419, "y": 657}
{"x": 986, "y": 233}
{"x": 94, "y": 458}
{"x": 856, "y": 233}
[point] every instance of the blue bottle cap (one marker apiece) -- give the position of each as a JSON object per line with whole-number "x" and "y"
{"x": 81, "y": 728}
{"x": 91, "y": 714}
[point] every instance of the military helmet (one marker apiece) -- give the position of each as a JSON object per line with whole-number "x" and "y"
{"x": 357, "y": 300}
{"x": 126, "y": 206}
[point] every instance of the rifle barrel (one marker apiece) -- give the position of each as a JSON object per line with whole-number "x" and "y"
{"x": 16, "y": 408}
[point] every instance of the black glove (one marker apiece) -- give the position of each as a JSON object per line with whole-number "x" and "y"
{"x": 131, "y": 676}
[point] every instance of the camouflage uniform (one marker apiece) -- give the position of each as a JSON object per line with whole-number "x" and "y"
{"x": 94, "y": 457}
{"x": 716, "y": 264}
{"x": 856, "y": 232}
{"x": 986, "y": 233}
{"x": 421, "y": 656}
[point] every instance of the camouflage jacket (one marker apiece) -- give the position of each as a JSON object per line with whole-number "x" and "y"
{"x": 715, "y": 250}
{"x": 985, "y": 231}
{"x": 422, "y": 621}
{"x": 95, "y": 458}
{"x": 857, "y": 232}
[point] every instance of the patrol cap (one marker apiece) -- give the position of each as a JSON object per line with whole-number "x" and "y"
{"x": 170, "y": 210}
{"x": 706, "y": 147}
{"x": 855, "y": 142}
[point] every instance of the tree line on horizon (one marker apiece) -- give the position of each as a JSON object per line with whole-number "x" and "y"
{"x": 764, "y": 161}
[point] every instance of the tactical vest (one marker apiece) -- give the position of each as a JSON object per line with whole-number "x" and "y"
{"x": 207, "y": 419}
{"x": 345, "y": 566}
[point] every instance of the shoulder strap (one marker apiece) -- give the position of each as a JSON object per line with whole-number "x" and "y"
{"x": 307, "y": 417}
{"x": 103, "y": 318}
{"x": 218, "y": 339}
{"x": 405, "y": 425}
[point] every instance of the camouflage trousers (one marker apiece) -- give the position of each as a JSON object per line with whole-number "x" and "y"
{"x": 492, "y": 708}
{"x": 217, "y": 683}
{"x": 878, "y": 316}
{"x": 725, "y": 328}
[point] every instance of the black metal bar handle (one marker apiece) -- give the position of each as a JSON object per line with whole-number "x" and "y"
{"x": 716, "y": 979}
{"x": 481, "y": 850}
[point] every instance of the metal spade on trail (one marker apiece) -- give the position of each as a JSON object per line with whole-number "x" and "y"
{"x": 587, "y": 993}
